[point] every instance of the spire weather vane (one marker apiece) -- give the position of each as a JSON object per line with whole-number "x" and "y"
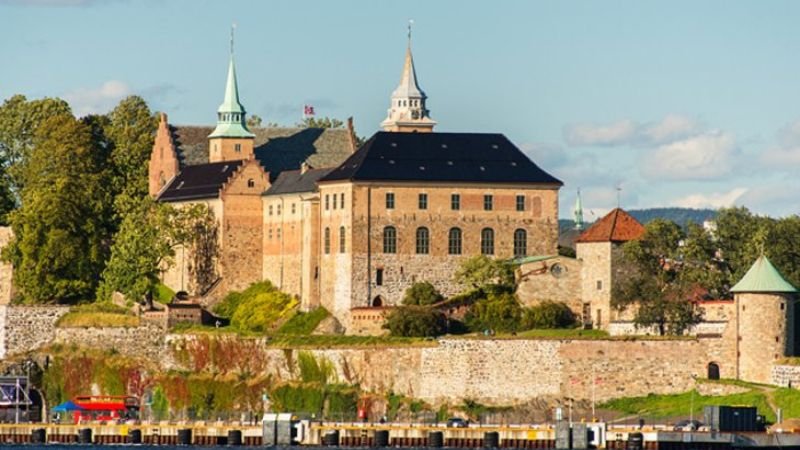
{"x": 233, "y": 28}
{"x": 410, "y": 23}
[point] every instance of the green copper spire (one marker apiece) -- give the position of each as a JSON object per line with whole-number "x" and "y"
{"x": 763, "y": 277}
{"x": 578, "y": 212}
{"x": 231, "y": 120}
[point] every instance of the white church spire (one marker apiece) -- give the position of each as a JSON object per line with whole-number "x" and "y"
{"x": 407, "y": 111}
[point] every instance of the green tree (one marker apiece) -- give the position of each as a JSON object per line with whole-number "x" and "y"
{"x": 548, "y": 315}
{"x": 416, "y": 321}
{"x": 254, "y": 121}
{"x": 262, "y": 312}
{"x": 146, "y": 243}
{"x": 482, "y": 272}
{"x": 498, "y": 312}
{"x": 322, "y": 122}
{"x": 60, "y": 234}
{"x": 130, "y": 130}
{"x": 661, "y": 287}
{"x": 421, "y": 293}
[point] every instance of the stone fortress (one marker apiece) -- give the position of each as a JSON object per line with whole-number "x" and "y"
{"x": 350, "y": 228}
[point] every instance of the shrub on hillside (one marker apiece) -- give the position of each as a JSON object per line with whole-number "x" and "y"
{"x": 422, "y": 293}
{"x": 262, "y": 312}
{"x": 416, "y": 321}
{"x": 481, "y": 272}
{"x": 304, "y": 323}
{"x": 548, "y": 315}
{"x": 498, "y": 312}
{"x": 227, "y": 307}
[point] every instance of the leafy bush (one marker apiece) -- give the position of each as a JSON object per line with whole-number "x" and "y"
{"x": 304, "y": 323}
{"x": 162, "y": 293}
{"x": 416, "y": 321}
{"x": 261, "y": 312}
{"x": 227, "y": 307}
{"x": 481, "y": 271}
{"x": 498, "y": 312}
{"x": 422, "y": 293}
{"x": 314, "y": 371}
{"x": 548, "y": 315}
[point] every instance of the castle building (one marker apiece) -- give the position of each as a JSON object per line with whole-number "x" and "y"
{"x": 344, "y": 228}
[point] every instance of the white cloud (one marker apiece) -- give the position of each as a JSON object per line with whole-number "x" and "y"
{"x": 617, "y": 133}
{"x": 713, "y": 200}
{"x": 628, "y": 132}
{"x": 97, "y": 100}
{"x": 706, "y": 156}
{"x": 787, "y": 153}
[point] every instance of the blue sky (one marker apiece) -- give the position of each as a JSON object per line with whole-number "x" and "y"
{"x": 679, "y": 103}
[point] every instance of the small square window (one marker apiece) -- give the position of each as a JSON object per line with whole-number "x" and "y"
{"x": 520, "y": 203}
{"x": 423, "y": 201}
{"x": 487, "y": 202}
{"x": 270, "y": 210}
{"x": 455, "y": 202}
{"x": 599, "y": 285}
{"x": 293, "y": 208}
{"x": 390, "y": 200}
{"x": 237, "y": 148}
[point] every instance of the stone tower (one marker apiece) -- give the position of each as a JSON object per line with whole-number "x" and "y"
{"x": 230, "y": 140}
{"x": 408, "y": 112}
{"x": 765, "y": 321}
{"x": 600, "y": 250}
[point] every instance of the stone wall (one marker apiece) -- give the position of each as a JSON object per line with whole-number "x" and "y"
{"x": 785, "y": 375}
{"x": 766, "y": 333}
{"x": 143, "y": 341}
{"x": 25, "y": 328}
{"x": 557, "y": 279}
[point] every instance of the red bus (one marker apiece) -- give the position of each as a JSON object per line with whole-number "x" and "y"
{"x": 106, "y": 408}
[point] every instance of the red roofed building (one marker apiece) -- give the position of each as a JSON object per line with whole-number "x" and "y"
{"x": 600, "y": 250}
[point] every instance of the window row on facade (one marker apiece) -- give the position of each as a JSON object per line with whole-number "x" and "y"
{"x": 455, "y": 241}
{"x": 455, "y": 202}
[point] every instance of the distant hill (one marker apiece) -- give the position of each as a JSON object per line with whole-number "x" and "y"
{"x": 681, "y": 216}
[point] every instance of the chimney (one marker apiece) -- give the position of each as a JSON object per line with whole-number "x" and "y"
{"x": 351, "y": 134}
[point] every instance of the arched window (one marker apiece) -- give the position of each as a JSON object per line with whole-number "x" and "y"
{"x": 487, "y": 241}
{"x": 454, "y": 241}
{"x": 423, "y": 241}
{"x": 377, "y": 301}
{"x": 327, "y": 240}
{"x": 520, "y": 242}
{"x": 341, "y": 240}
{"x": 251, "y": 183}
{"x": 389, "y": 240}
{"x": 713, "y": 371}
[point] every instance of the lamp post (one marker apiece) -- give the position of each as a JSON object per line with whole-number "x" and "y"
{"x": 691, "y": 402}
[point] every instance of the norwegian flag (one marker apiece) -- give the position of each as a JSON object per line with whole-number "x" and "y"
{"x": 308, "y": 110}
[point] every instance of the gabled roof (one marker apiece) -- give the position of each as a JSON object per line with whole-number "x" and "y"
{"x": 293, "y": 181}
{"x": 202, "y": 181}
{"x": 616, "y": 226}
{"x": 445, "y": 157}
{"x": 763, "y": 277}
{"x": 277, "y": 149}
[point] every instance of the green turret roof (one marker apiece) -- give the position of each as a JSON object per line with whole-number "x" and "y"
{"x": 231, "y": 114}
{"x": 763, "y": 277}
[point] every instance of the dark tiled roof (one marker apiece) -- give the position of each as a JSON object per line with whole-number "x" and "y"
{"x": 449, "y": 157}
{"x": 291, "y": 181}
{"x": 201, "y": 181}
{"x": 277, "y": 149}
{"x": 616, "y": 226}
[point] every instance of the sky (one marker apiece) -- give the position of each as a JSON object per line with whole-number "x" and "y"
{"x": 641, "y": 104}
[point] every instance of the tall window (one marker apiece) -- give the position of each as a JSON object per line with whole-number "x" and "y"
{"x": 341, "y": 200}
{"x": 487, "y": 202}
{"x": 327, "y": 240}
{"x": 237, "y": 148}
{"x": 278, "y": 209}
{"x": 389, "y": 240}
{"x": 487, "y": 241}
{"x": 390, "y": 200}
{"x": 423, "y": 241}
{"x": 454, "y": 241}
{"x": 292, "y": 208}
{"x": 327, "y": 201}
{"x": 341, "y": 240}
{"x": 455, "y": 202}
{"x": 520, "y": 242}
{"x": 520, "y": 203}
{"x": 423, "y": 201}
{"x": 334, "y": 200}
{"x": 270, "y": 210}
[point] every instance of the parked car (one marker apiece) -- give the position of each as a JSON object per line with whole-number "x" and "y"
{"x": 687, "y": 425}
{"x": 457, "y": 422}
